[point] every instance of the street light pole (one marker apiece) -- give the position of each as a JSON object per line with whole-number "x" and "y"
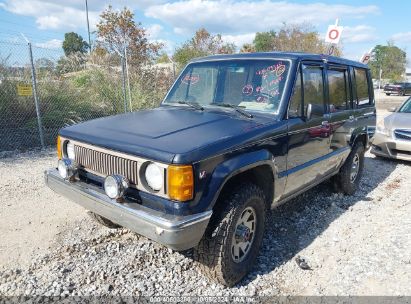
{"x": 88, "y": 29}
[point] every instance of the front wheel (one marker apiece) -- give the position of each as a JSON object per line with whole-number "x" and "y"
{"x": 232, "y": 240}
{"x": 349, "y": 177}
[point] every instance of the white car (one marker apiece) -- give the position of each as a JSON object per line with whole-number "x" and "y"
{"x": 393, "y": 138}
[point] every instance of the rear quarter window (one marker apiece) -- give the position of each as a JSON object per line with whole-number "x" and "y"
{"x": 362, "y": 87}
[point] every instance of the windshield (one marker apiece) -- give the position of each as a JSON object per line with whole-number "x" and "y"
{"x": 250, "y": 84}
{"x": 406, "y": 107}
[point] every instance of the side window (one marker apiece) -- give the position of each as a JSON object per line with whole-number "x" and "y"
{"x": 338, "y": 90}
{"x": 296, "y": 101}
{"x": 361, "y": 83}
{"x": 313, "y": 88}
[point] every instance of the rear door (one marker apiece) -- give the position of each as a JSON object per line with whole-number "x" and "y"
{"x": 340, "y": 105}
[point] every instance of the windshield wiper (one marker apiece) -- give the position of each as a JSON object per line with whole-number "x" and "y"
{"x": 192, "y": 104}
{"x": 237, "y": 108}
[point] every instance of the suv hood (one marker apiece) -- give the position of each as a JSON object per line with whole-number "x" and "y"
{"x": 170, "y": 134}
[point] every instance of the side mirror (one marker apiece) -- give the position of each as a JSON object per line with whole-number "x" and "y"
{"x": 314, "y": 110}
{"x": 392, "y": 109}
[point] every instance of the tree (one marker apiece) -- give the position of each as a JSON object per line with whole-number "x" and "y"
{"x": 163, "y": 58}
{"x": 117, "y": 30}
{"x": 74, "y": 43}
{"x": 202, "y": 44}
{"x": 247, "y": 48}
{"x": 293, "y": 38}
{"x": 390, "y": 59}
{"x": 264, "y": 42}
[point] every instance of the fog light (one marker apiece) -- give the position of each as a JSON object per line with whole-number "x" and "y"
{"x": 115, "y": 186}
{"x": 66, "y": 168}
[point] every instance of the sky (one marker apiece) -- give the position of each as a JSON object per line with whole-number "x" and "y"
{"x": 366, "y": 23}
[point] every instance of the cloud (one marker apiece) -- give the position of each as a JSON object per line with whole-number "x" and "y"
{"x": 229, "y": 17}
{"x": 239, "y": 40}
{"x": 402, "y": 37}
{"x": 359, "y": 33}
{"x": 55, "y": 15}
{"x": 154, "y": 30}
{"x": 51, "y": 44}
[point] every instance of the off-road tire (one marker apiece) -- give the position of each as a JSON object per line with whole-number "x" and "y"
{"x": 103, "y": 221}
{"x": 213, "y": 253}
{"x": 342, "y": 181}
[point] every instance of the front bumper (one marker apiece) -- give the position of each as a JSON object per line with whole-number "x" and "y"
{"x": 176, "y": 232}
{"x": 387, "y": 146}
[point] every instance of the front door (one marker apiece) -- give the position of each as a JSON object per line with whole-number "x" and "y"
{"x": 308, "y": 129}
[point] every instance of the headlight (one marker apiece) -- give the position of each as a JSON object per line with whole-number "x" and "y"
{"x": 70, "y": 150}
{"x": 115, "y": 186}
{"x": 66, "y": 168}
{"x": 154, "y": 177}
{"x": 382, "y": 130}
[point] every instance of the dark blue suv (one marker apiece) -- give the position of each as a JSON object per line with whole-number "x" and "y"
{"x": 235, "y": 136}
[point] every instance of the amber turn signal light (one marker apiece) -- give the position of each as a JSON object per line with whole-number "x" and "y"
{"x": 180, "y": 182}
{"x": 59, "y": 152}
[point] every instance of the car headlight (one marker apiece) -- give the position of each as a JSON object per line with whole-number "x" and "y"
{"x": 382, "y": 130}
{"x": 154, "y": 176}
{"x": 115, "y": 186}
{"x": 66, "y": 168}
{"x": 71, "y": 154}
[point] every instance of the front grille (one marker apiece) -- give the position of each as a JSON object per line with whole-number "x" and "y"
{"x": 403, "y": 134}
{"x": 106, "y": 164}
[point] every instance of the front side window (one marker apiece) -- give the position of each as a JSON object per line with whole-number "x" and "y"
{"x": 296, "y": 104}
{"x": 337, "y": 88}
{"x": 251, "y": 84}
{"x": 313, "y": 89}
{"x": 361, "y": 81}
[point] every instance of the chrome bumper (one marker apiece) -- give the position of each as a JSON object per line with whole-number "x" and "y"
{"x": 387, "y": 146}
{"x": 176, "y": 232}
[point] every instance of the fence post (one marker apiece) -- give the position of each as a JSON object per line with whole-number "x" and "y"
{"x": 36, "y": 100}
{"x": 123, "y": 73}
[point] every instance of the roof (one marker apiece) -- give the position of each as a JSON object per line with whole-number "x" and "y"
{"x": 283, "y": 55}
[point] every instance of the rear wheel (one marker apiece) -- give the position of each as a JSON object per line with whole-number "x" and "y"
{"x": 348, "y": 179}
{"x": 232, "y": 240}
{"x": 402, "y": 93}
{"x": 388, "y": 94}
{"x": 103, "y": 221}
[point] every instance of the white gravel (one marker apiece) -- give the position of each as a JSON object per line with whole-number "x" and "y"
{"x": 357, "y": 245}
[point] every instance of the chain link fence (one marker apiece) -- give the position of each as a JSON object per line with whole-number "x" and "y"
{"x": 41, "y": 91}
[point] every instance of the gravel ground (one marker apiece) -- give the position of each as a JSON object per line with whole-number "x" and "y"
{"x": 356, "y": 245}
{"x": 353, "y": 245}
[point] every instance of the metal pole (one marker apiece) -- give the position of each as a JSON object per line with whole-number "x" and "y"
{"x": 124, "y": 81}
{"x": 36, "y": 100}
{"x": 88, "y": 29}
{"x": 128, "y": 80}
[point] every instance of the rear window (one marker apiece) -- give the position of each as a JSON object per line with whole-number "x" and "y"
{"x": 361, "y": 81}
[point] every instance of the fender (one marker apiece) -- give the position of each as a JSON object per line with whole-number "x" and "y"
{"x": 360, "y": 131}
{"x": 232, "y": 167}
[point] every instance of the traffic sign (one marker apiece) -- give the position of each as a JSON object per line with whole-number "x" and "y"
{"x": 365, "y": 58}
{"x": 333, "y": 34}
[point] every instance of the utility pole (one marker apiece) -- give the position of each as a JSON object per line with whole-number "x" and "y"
{"x": 88, "y": 29}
